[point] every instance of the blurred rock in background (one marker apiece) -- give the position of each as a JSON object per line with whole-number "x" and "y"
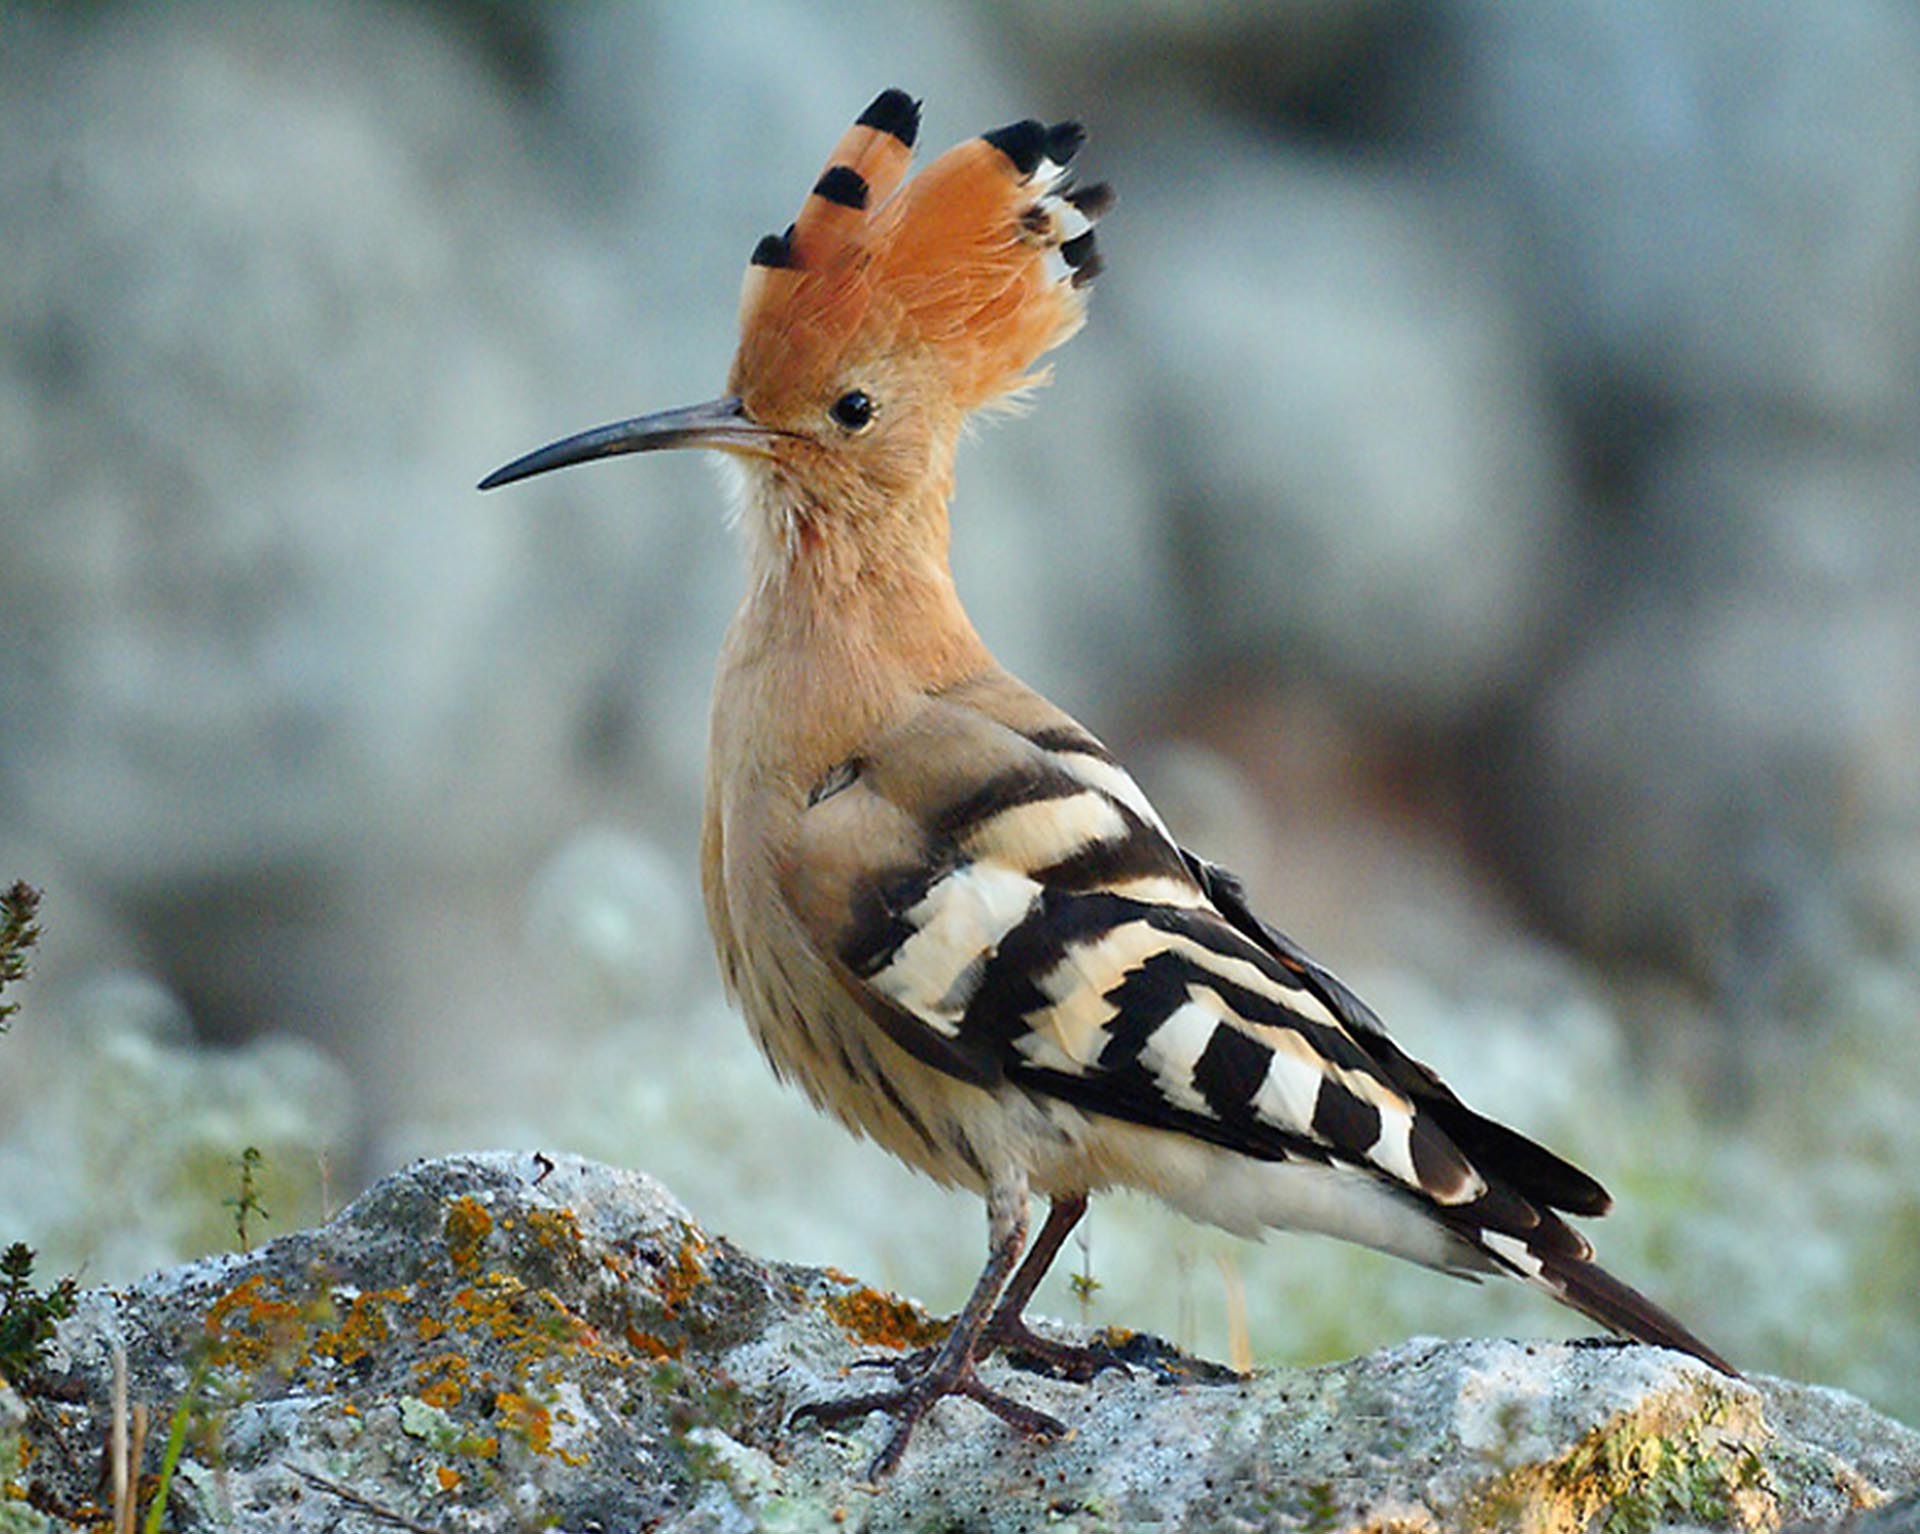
{"x": 1485, "y": 503}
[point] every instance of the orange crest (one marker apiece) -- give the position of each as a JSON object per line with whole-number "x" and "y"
{"x": 970, "y": 270}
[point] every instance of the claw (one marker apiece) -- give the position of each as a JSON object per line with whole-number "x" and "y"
{"x": 903, "y": 1366}
{"x": 1029, "y": 1421}
{"x": 1028, "y": 1350}
{"x": 847, "y": 1408}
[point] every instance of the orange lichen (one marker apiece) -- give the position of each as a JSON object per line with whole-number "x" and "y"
{"x": 884, "y": 1320}
{"x": 528, "y": 1420}
{"x": 363, "y": 1329}
{"x": 680, "y": 1277}
{"x": 250, "y": 1329}
{"x": 532, "y": 1322}
{"x": 554, "y": 1228}
{"x": 429, "y": 1327}
{"x": 650, "y": 1346}
{"x": 441, "y": 1380}
{"x": 467, "y": 1226}
{"x": 448, "y": 1477}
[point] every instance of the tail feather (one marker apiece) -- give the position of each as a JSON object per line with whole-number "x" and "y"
{"x": 1594, "y": 1292}
{"x": 1553, "y": 1256}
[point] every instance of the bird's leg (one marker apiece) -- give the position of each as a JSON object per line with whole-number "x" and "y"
{"x": 1008, "y": 1332}
{"x": 1005, "y": 1330}
{"x": 951, "y": 1368}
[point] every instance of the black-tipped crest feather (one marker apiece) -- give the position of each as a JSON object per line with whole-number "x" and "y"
{"x": 775, "y": 250}
{"x": 1094, "y": 201}
{"x": 1024, "y": 143}
{"x": 842, "y": 185}
{"x": 1063, "y": 141}
{"x": 893, "y": 111}
{"x": 1076, "y": 251}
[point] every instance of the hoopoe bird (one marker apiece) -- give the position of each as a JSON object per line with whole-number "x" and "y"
{"x": 947, "y": 913}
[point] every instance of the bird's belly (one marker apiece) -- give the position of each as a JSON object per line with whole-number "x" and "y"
{"x": 963, "y": 1136}
{"x": 817, "y": 1038}
{"x": 1249, "y": 1196}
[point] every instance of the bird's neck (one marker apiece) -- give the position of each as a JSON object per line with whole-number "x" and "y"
{"x": 843, "y": 629}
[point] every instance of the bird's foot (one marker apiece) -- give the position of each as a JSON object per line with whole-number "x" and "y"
{"x": 1023, "y": 1347}
{"x": 943, "y": 1376}
{"x": 1027, "y": 1349}
{"x": 902, "y": 1366}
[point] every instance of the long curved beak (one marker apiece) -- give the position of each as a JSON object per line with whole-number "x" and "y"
{"x": 720, "y": 423}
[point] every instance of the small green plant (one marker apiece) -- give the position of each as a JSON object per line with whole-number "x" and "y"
{"x": 19, "y": 906}
{"x": 27, "y": 1315}
{"x": 246, "y": 1203}
{"x": 1083, "y": 1284}
{"x": 175, "y": 1447}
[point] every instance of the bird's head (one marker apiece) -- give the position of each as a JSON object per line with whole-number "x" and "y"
{"x": 889, "y": 311}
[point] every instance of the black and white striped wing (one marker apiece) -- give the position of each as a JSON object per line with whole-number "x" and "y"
{"x": 1527, "y": 1167}
{"x": 1035, "y": 924}
{"x": 1005, "y": 903}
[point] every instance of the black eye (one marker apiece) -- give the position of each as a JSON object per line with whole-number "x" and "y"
{"x": 853, "y": 410}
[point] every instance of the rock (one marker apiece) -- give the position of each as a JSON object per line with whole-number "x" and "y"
{"x": 498, "y": 1341}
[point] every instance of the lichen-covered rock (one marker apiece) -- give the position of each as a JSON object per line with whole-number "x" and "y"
{"x": 503, "y": 1342}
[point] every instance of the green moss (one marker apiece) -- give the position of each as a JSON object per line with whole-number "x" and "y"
{"x": 692, "y": 1399}
{"x": 1632, "y": 1476}
{"x": 702, "y": 1462}
{"x": 430, "y": 1425}
{"x": 16, "y": 1518}
{"x": 1321, "y": 1512}
{"x": 440, "y": 1433}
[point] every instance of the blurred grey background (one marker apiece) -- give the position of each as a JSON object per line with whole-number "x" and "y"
{"x": 1485, "y": 505}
